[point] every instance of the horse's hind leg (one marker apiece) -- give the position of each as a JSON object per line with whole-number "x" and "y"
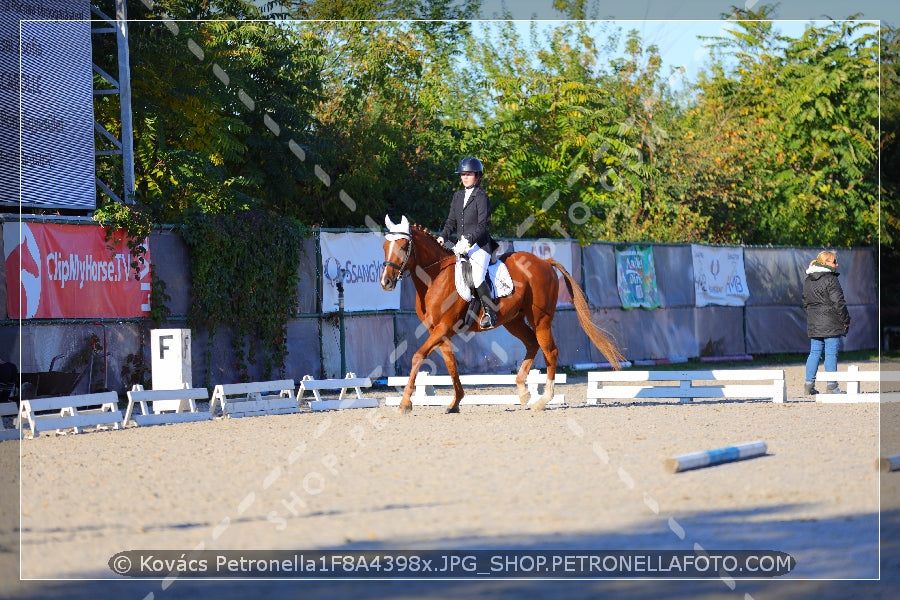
{"x": 519, "y": 328}
{"x": 544, "y": 334}
{"x": 453, "y": 370}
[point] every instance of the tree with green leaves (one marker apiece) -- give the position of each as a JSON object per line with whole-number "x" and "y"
{"x": 220, "y": 105}
{"x": 336, "y": 123}
{"x": 780, "y": 145}
{"x": 223, "y": 109}
{"x": 890, "y": 177}
{"x": 575, "y": 138}
{"x": 379, "y": 138}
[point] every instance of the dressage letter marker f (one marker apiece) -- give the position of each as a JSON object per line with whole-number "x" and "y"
{"x": 162, "y": 345}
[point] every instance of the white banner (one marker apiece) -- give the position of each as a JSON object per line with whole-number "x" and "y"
{"x": 360, "y": 255}
{"x": 562, "y": 252}
{"x": 719, "y": 276}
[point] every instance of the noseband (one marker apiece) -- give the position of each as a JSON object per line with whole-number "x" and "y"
{"x": 401, "y": 268}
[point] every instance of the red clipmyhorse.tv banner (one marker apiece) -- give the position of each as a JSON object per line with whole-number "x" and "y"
{"x": 69, "y": 271}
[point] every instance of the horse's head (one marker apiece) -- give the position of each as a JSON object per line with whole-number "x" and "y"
{"x": 397, "y": 250}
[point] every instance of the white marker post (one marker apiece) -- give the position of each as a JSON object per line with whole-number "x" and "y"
{"x": 707, "y": 458}
{"x": 170, "y": 365}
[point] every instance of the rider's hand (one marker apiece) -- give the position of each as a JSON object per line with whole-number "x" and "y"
{"x": 440, "y": 240}
{"x": 462, "y": 246}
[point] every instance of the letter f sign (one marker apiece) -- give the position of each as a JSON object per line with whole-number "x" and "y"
{"x": 163, "y": 346}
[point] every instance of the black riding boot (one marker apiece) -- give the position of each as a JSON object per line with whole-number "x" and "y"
{"x": 488, "y": 316}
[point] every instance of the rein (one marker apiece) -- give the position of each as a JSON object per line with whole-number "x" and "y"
{"x": 401, "y": 269}
{"x": 452, "y": 256}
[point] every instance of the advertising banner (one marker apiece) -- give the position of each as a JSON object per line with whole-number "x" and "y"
{"x": 636, "y": 278}
{"x": 56, "y": 271}
{"x": 562, "y": 252}
{"x": 46, "y": 105}
{"x": 359, "y": 257}
{"x": 719, "y": 276}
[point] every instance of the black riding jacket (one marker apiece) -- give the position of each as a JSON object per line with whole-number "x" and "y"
{"x": 823, "y": 301}
{"x": 471, "y": 221}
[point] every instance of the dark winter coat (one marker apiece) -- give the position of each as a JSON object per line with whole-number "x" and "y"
{"x": 471, "y": 221}
{"x": 823, "y": 301}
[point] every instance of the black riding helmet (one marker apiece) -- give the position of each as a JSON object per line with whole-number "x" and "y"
{"x": 470, "y": 163}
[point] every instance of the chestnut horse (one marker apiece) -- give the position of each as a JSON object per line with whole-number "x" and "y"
{"x": 527, "y": 313}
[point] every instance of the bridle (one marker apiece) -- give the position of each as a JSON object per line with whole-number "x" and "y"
{"x": 409, "y": 251}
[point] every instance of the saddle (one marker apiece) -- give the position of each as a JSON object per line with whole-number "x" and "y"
{"x": 497, "y": 276}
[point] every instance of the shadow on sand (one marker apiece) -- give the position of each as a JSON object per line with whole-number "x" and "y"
{"x": 831, "y": 544}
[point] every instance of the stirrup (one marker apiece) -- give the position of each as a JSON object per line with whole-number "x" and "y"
{"x": 488, "y": 321}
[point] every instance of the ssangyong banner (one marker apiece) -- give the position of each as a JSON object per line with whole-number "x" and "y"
{"x": 58, "y": 271}
{"x": 358, "y": 257}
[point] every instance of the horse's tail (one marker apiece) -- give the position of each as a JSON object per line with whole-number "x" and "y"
{"x": 600, "y": 339}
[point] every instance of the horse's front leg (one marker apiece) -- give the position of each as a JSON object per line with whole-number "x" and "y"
{"x": 453, "y": 370}
{"x": 547, "y": 396}
{"x": 418, "y": 358}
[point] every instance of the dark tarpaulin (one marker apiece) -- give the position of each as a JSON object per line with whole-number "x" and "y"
{"x": 368, "y": 348}
{"x": 775, "y": 321}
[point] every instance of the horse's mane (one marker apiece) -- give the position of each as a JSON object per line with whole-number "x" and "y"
{"x": 433, "y": 237}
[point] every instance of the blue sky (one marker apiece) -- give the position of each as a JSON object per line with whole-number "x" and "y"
{"x": 673, "y": 25}
{"x": 678, "y": 41}
{"x": 680, "y": 45}
{"x": 692, "y": 10}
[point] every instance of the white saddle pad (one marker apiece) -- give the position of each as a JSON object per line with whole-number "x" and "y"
{"x": 502, "y": 284}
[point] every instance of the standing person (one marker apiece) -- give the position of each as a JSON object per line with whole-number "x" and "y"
{"x": 827, "y": 318}
{"x": 470, "y": 218}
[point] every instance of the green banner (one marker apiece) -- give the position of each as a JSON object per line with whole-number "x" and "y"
{"x": 636, "y": 278}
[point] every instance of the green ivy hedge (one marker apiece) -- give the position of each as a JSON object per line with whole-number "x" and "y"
{"x": 244, "y": 277}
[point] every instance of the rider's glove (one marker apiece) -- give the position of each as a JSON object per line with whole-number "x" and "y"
{"x": 462, "y": 247}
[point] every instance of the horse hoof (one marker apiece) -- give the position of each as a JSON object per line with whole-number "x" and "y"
{"x": 539, "y": 405}
{"x": 452, "y": 410}
{"x": 403, "y": 410}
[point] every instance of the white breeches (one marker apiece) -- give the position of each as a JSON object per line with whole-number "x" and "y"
{"x": 479, "y": 259}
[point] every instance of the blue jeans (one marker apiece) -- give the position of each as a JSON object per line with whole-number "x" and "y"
{"x": 816, "y": 345}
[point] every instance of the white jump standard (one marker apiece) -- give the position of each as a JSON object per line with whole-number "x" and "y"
{"x": 10, "y": 409}
{"x": 351, "y": 381}
{"x": 688, "y": 385}
{"x": 853, "y": 377}
{"x": 424, "y": 394}
{"x": 168, "y": 406}
{"x": 708, "y": 458}
{"x": 254, "y": 399}
{"x": 62, "y": 413}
